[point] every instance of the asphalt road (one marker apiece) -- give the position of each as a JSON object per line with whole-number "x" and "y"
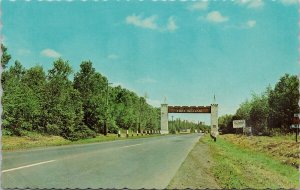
{"x": 137, "y": 163}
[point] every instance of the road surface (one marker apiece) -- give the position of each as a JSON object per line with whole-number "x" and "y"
{"x": 135, "y": 164}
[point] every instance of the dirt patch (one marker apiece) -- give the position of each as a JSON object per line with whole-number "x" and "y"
{"x": 195, "y": 171}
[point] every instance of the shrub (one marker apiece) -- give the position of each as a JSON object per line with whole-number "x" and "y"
{"x": 81, "y": 132}
{"x": 53, "y": 129}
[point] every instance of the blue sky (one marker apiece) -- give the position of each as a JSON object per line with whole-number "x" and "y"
{"x": 185, "y": 51}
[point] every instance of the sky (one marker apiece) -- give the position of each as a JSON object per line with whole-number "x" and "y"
{"x": 186, "y": 51}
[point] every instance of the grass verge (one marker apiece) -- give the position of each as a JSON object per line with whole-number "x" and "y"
{"x": 195, "y": 172}
{"x": 35, "y": 140}
{"x": 282, "y": 148}
{"x": 239, "y": 167}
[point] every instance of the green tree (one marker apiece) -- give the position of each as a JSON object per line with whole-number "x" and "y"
{"x": 92, "y": 88}
{"x": 5, "y": 56}
{"x": 225, "y": 123}
{"x": 283, "y": 102}
{"x": 62, "y": 104}
{"x": 259, "y": 113}
{"x": 20, "y": 105}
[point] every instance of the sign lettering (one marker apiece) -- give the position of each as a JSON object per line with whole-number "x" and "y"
{"x": 239, "y": 123}
{"x": 189, "y": 109}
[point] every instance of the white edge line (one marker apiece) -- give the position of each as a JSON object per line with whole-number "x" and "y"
{"x": 27, "y": 166}
{"x": 130, "y": 145}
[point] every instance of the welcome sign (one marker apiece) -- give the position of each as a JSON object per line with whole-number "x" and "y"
{"x": 239, "y": 123}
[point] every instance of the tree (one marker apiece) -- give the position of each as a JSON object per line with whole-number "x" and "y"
{"x": 20, "y": 105}
{"x": 92, "y": 88}
{"x": 259, "y": 113}
{"x": 225, "y": 123}
{"x": 283, "y": 102}
{"x": 5, "y": 56}
{"x": 62, "y": 105}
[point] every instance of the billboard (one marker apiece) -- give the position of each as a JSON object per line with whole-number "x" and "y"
{"x": 239, "y": 123}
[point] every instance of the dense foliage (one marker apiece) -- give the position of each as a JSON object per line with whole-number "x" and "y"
{"x": 51, "y": 103}
{"x": 178, "y": 125}
{"x": 269, "y": 112}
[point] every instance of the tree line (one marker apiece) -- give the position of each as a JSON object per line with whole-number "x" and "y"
{"x": 269, "y": 112}
{"x": 53, "y": 104}
{"x": 178, "y": 125}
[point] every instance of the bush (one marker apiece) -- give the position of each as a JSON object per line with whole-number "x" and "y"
{"x": 112, "y": 127}
{"x": 81, "y": 132}
{"x": 6, "y": 132}
{"x": 53, "y": 129}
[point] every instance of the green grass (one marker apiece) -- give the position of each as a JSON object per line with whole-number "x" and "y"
{"x": 282, "y": 148}
{"x": 35, "y": 140}
{"x": 240, "y": 167}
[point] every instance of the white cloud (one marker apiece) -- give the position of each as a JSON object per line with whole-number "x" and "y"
{"x": 112, "y": 56}
{"x": 50, "y": 53}
{"x": 149, "y": 22}
{"x": 200, "y": 5}
{"x": 246, "y": 25}
{"x": 251, "y": 23}
{"x": 289, "y": 2}
{"x": 171, "y": 26}
{"x": 251, "y": 3}
{"x": 146, "y": 80}
{"x": 216, "y": 16}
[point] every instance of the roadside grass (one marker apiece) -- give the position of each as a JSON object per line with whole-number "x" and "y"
{"x": 195, "y": 172}
{"x": 35, "y": 140}
{"x": 242, "y": 167}
{"x": 283, "y": 148}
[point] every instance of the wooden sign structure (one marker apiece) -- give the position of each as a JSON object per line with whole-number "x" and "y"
{"x": 189, "y": 109}
{"x": 212, "y": 110}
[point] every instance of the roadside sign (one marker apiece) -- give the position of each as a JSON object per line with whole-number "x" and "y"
{"x": 295, "y": 126}
{"x": 239, "y": 123}
{"x": 296, "y": 120}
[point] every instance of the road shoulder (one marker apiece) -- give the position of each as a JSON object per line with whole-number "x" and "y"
{"x": 195, "y": 171}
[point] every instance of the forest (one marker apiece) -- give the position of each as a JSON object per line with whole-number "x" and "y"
{"x": 270, "y": 112}
{"x": 72, "y": 105}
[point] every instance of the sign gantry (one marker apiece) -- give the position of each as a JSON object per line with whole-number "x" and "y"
{"x": 212, "y": 109}
{"x": 189, "y": 109}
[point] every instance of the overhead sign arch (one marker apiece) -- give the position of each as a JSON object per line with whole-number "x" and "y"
{"x": 212, "y": 109}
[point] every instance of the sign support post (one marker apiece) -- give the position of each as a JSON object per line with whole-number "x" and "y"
{"x": 295, "y": 124}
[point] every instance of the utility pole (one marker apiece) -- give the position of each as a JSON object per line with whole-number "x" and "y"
{"x": 106, "y": 110}
{"x": 140, "y": 110}
{"x": 173, "y": 124}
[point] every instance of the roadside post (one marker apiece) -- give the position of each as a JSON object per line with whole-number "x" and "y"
{"x": 119, "y": 133}
{"x": 127, "y": 133}
{"x": 137, "y": 133}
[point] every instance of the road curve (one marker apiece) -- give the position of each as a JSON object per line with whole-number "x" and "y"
{"x": 135, "y": 164}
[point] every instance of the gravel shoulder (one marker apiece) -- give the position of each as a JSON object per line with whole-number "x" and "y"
{"x": 195, "y": 171}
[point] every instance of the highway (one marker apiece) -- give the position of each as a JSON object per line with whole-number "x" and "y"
{"x": 135, "y": 164}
